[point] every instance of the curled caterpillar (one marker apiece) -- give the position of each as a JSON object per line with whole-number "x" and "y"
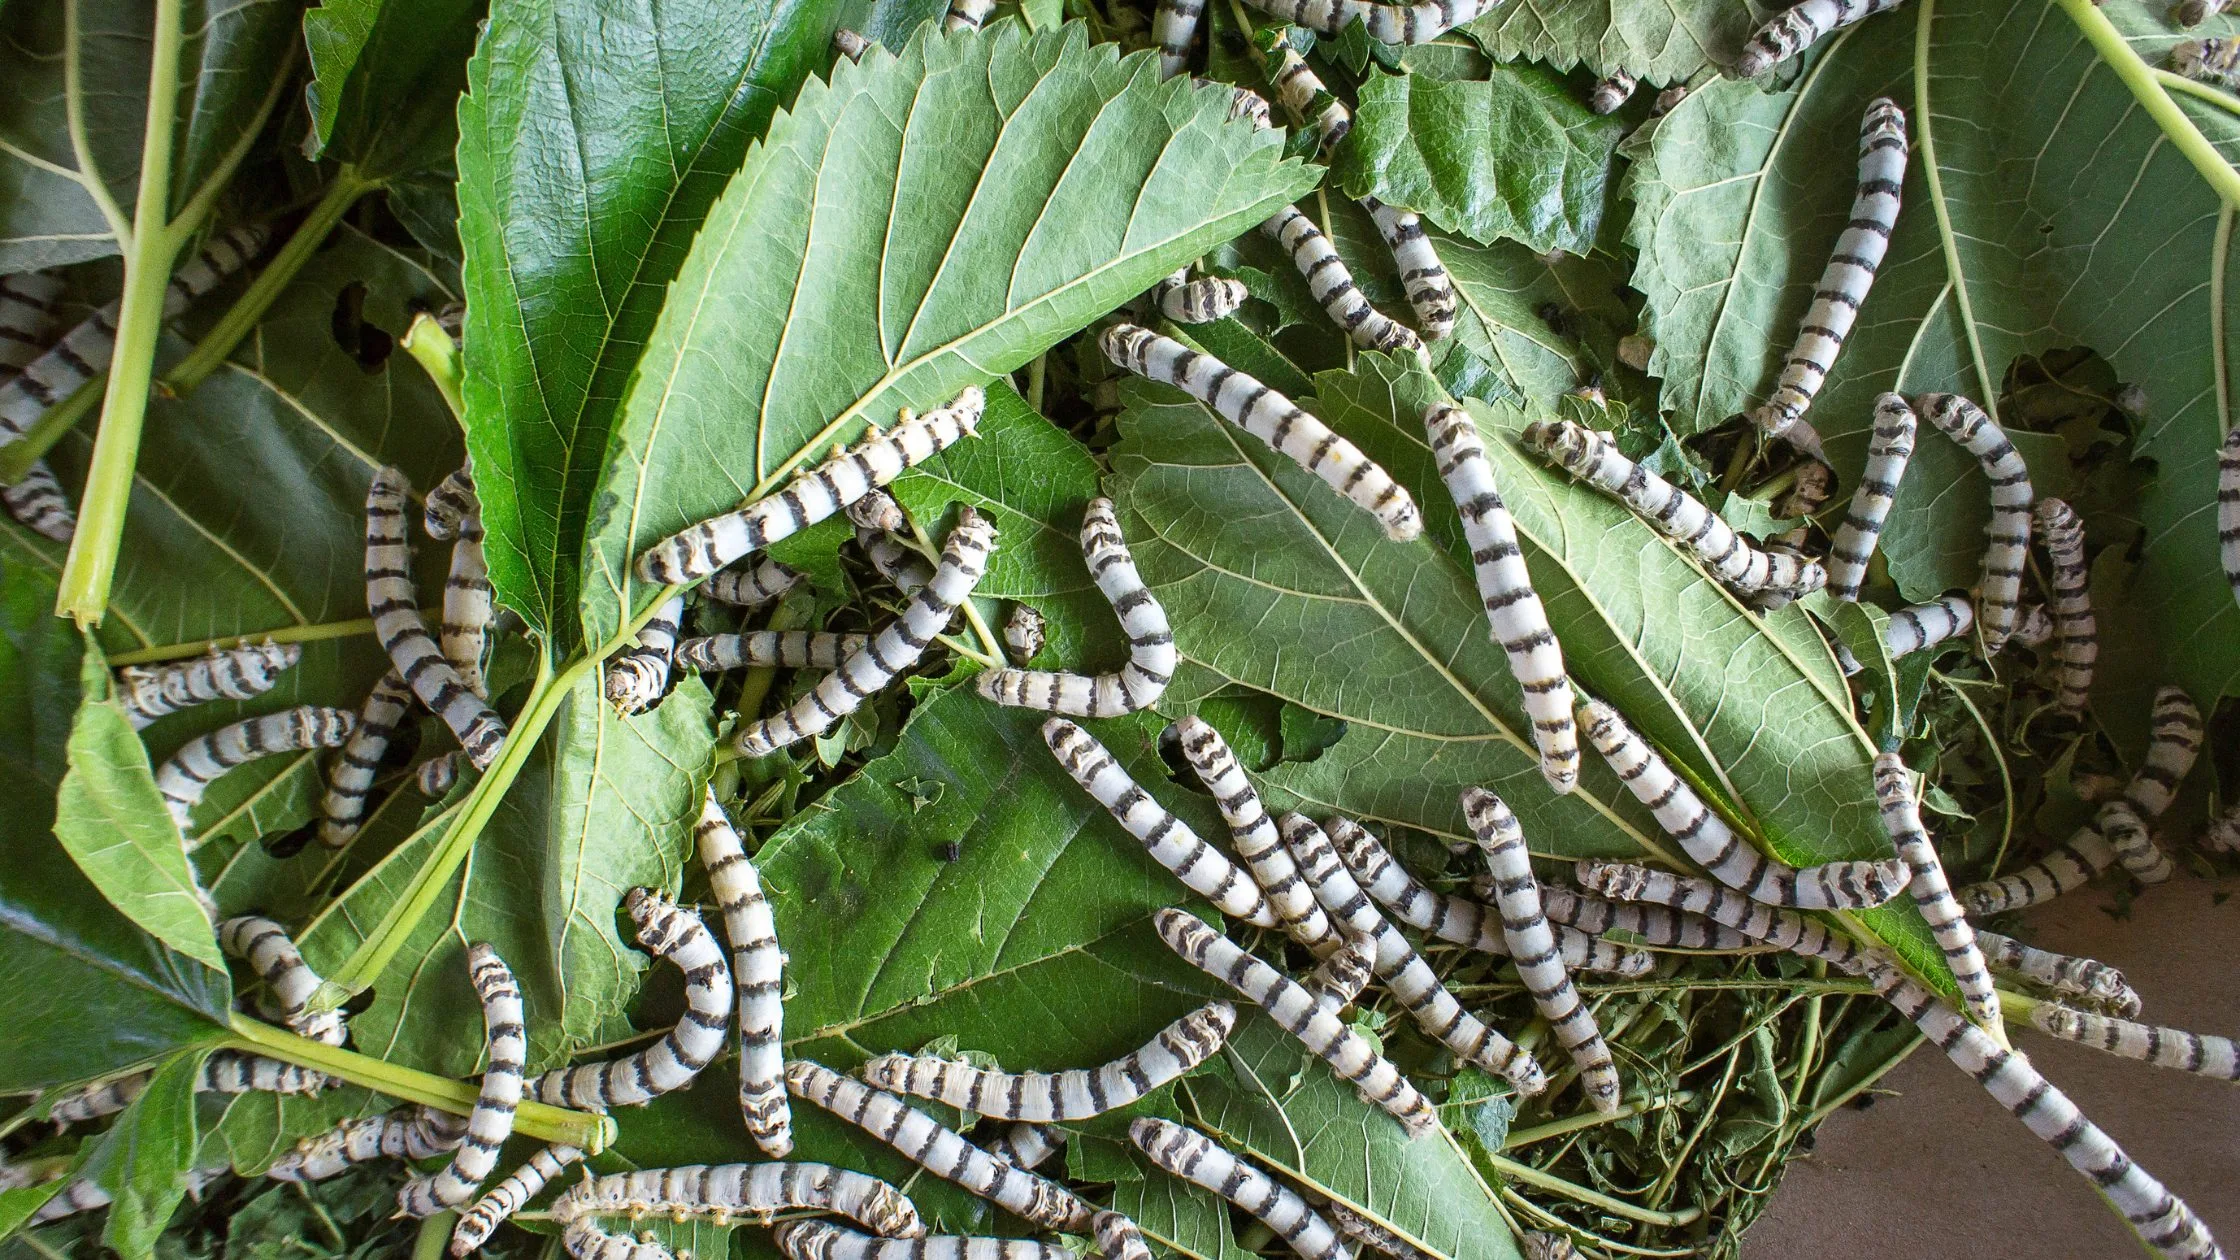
{"x": 1253, "y": 834}
{"x": 866, "y": 671}
{"x": 2208, "y": 60}
{"x": 1043, "y": 1097}
{"x": 491, "y": 1122}
{"x": 1514, "y": 615}
{"x": 2076, "y": 634}
{"x": 1338, "y": 979}
{"x": 2008, "y": 533}
{"x": 224, "y": 1072}
{"x": 785, "y": 649}
{"x": 504, "y": 1199}
{"x": 437, "y": 774}
{"x": 396, "y": 622}
{"x": 2172, "y": 1048}
{"x": 2173, "y": 742}
{"x": 1299, "y": 1012}
{"x": 1024, "y": 1145}
{"x": 1269, "y": 416}
{"x": 1386, "y": 23}
{"x": 350, "y": 780}
{"x": 758, "y": 975}
{"x": 1901, "y": 818}
{"x": 1799, "y": 27}
{"x": 1754, "y": 919}
{"x": 730, "y": 1190}
{"x": 669, "y": 932}
{"x": 467, "y": 606}
{"x": 2128, "y": 837}
{"x": 1200, "y": 301}
{"x": 266, "y": 947}
{"x": 411, "y": 1133}
{"x": 1173, "y": 24}
{"x": 1611, "y": 92}
{"x": 450, "y": 503}
{"x": 2084, "y": 978}
{"x": 638, "y": 676}
{"x": 236, "y": 673}
{"x": 1924, "y": 626}
{"x": 1333, "y": 287}
{"x": 1430, "y": 289}
{"x": 190, "y": 771}
{"x": 1023, "y": 633}
{"x": 1299, "y": 87}
{"x": 699, "y": 551}
{"x": 823, "y": 1240}
{"x": 1140, "y": 682}
{"x": 967, "y": 15}
{"x": 1198, "y": 1159}
{"x": 1168, "y": 839}
{"x": 751, "y": 585}
{"x": 1889, "y": 448}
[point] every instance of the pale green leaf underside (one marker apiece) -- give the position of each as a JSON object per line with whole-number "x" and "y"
{"x": 1662, "y": 41}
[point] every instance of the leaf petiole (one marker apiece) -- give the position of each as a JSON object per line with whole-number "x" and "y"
{"x": 432, "y": 348}
{"x": 2147, "y": 89}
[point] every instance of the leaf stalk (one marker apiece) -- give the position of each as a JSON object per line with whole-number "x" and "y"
{"x": 2148, "y": 90}
{"x": 433, "y": 349}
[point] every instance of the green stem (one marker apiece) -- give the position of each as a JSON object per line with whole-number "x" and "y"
{"x": 433, "y": 349}
{"x": 1593, "y": 1119}
{"x": 2140, "y": 78}
{"x": 434, "y": 1235}
{"x": 33, "y": 443}
{"x": 544, "y": 1123}
{"x": 1860, "y": 1086}
{"x": 1593, "y": 1198}
{"x": 2194, "y": 87}
{"x": 1924, "y": 22}
{"x": 285, "y": 634}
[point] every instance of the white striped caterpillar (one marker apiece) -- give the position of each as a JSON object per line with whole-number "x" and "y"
{"x": 1754, "y": 919}
{"x": 40, "y": 504}
{"x": 1924, "y": 626}
{"x": 1430, "y": 289}
{"x": 1246, "y": 104}
{"x": 1889, "y": 448}
{"x": 83, "y": 1194}
{"x": 1196, "y": 1158}
{"x": 967, "y": 15}
{"x": 1568, "y": 907}
{"x": 190, "y": 771}
{"x": 702, "y": 549}
{"x": 1119, "y": 1238}
{"x": 1514, "y": 615}
{"x": 1721, "y": 850}
{"x": 1269, "y": 416}
{"x": 1140, "y": 682}
{"x": 1370, "y": 1235}
{"x": 1200, "y": 301}
{"x": 1043, "y": 1097}
{"x": 342, "y": 809}
{"x": 30, "y": 311}
{"x": 436, "y": 775}
{"x": 849, "y": 44}
{"x": 2173, "y": 742}
{"x": 243, "y": 672}
{"x": 823, "y": 1240}
{"x": 410, "y": 1133}
{"x": 1789, "y": 548}
{"x": 1956, "y": 939}
{"x": 467, "y": 606}
{"x": 396, "y": 622}
{"x": 2172, "y": 1048}
{"x": 1173, "y": 24}
{"x": 1333, "y": 287}
{"x": 2195, "y": 12}
{"x": 2208, "y": 60}
{"x": 865, "y": 672}
{"x": 934, "y": 1147}
{"x": 670, "y": 932}
{"x": 751, "y": 585}
{"x": 1386, "y": 23}
{"x": 2085, "y": 978}
{"x": 1253, "y": 834}
{"x": 1797, "y": 28}
{"x": 505, "y": 1198}
{"x": 1611, "y": 92}
{"x": 266, "y": 947}
{"x": 2076, "y": 634}
{"x": 2128, "y": 837}
{"x": 1406, "y": 975}
{"x": 2070, "y": 866}
{"x": 1299, "y": 87}
{"x": 1533, "y": 945}
{"x": 1023, "y": 633}
{"x": 1299, "y": 1012}
{"x": 1169, "y": 840}
{"x": 2159, "y": 1217}
{"x": 1337, "y": 980}
{"x": 1023, "y": 1145}
{"x": 893, "y": 560}
{"x": 2228, "y": 509}
{"x": 757, "y": 973}
{"x": 638, "y": 676}
{"x": 2008, "y": 533}
{"x": 224, "y": 1072}
{"x": 725, "y": 1192}
{"x": 785, "y": 649}
{"x": 452, "y": 500}
{"x": 491, "y": 1122}
{"x": 878, "y": 510}
{"x": 1594, "y": 458}
{"x": 1849, "y": 275}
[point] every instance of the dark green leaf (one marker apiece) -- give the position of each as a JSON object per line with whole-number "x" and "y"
{"x": 386, "y": 79}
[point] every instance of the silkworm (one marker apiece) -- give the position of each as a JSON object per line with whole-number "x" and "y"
{"x": 1023, "y": 633}
{"x": 38, "y": 502}
{"x": 823, "y": 1240}
{"x": 2076, "y": 634}
{"x": 784, "y": 649}
{"x": 967, "y": 15}
{"x": 451, "y": 502}
{"x": 1140, "y": 682}
{"x": 1540, "y": 1245}
{"x": 2173, "y": 1048}
{"x": 1721, "y": 850}
{"x": 2008, "y": 533}
{"x": 1924, "y": 626}
{"x": 893, "y": 560}
{"x": 1811, "y": 485}
{"x": 1786, "y": 548}
{"x": 2228, "y": 509}
{"x": 1514, "y": 615}
{"x": 1118, "y": 1238}
{"x": 1901, "y": 819}
{"x": 2195, "y": 12}
{"x": 2083, "y": 855}
{"x": 2085, "y": 978}
{"x": 1298, "y": 87}
{"x": 2033, "y": 626}
{"x": 435, "y": 776}
{"x": 505, "y": 1198}
{"x": 1174, "y": 23}
{"x": 467, "y": 605}
{"x": 2159, "y": 1217}
{"x": 1170, "y": 841}
{"x": 1406, "y": 975}
{"x": 1611, "y": 92}
{"x": 2127, "y": 836}
{"x": 1430, "y": 289}
{"x": 1338, "y": 979}
{"x": 1671, "y": 511}
{"x": 699, "y": 551}
{"x": 638, "y": 676}
{"x": 273, "y": 956}
{"x": 849, "y": 44}
{"x": 1850, "y": 272}
{"x": 1889, "y": 448}
{"x": 2173, "y": 742}
{"x": 236, "y": 673}
{"x": 411, "y": 1133}
{"x": 1370, "y": 1234}
{"x": 2223, "y": 832}
{"x": 1200, "y": 301}
{"x": 342, "y": 809}
{"x": 1385, "y": 23}
{"x": 1244, "y": 103}
{"x": 1533, "y": 946}
{"x": 1332, "y": 286}
{"x": 1043, "y": 1097}
{"x": 84, "y": 1195}
{"x": 1253, "y": 834}
{"x": 1269, "y": 416}
{"x": 1754, "y": 919}
{"x": 1799, "y": 27}
{"x": 751, "y": 585}
{"x": 1198, "y": 1159}
{"x": 878, "y": 510}
{"x": 724, "y": 1191}
{"x": 2208, "y": 60}
{"x": 867, "y": 671}
{"x": 758, "y": 975}
{"x": 1026, "y": 1145}
{"x": 677, "y": 935}
{"x": 491, "y": 1122}
{"x": 934, "y": 1147}
{"x": 224, "y": 1072}
{"x": 189, "y": 772}
{"x": 396, "y": 622}
{"x": 30, "y": 311}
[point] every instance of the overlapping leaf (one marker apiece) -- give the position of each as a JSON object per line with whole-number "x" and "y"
{"x": 386, "y": 78}
{"x": 1663, "y": 41}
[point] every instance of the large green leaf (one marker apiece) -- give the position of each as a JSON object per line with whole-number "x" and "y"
{"x": 386, "y": 79}
{"x": 1013, "y": 186}
{"x": 1662, "y": 41}
{"x": 142, "y": 1161}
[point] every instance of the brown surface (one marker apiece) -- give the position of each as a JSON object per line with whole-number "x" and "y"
{"x": 1943, "y": 1171}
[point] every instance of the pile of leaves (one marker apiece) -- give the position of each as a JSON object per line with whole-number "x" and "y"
{"x": 693, "y": 253}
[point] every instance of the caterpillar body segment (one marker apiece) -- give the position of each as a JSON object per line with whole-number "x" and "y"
{"x": 1611, "y": 92}
{"x": 451, "y": 502}
{"x": 1924, "y": 626}
{"x": 396, "y": 622}
{"x": 1514, "y": 614}
{"x": 30, "y": 312}
{"x": 1889, "y": 449}
{"x": 1140, "y": 682}
{"x": 1332, "y": 285}
{"x": 893, "y": 560}
{"x": 2070, "y": 866}
{"x": 1799, "y": 27}
{"x": 2228, "y": 509}
{"x": 1043, "y": 1097}
{"x": 2173, "y": 743}
{"x": 822, "y": 1240}
{"x": 1269, "y": 416}
{"x": 2133, "y": 845}
{"x": 2000, "y": 590}
{"x": 408, "y": 1133}
{"x": 1430, "y": 289}
{"x": 751, "y": 585}
{"x": 1724, "y": 853}
{"x": 1300, "y": 1013}
{"x": 1023, "y": 633}
{"x": 467, "y": 604}
{"x": 1174, "y": 23}
{"x": 2160, "y": 1218}
{"x": 677, "y": 935}
{"x": 1196, "y": 1158}
{"x": 2033, "y": 627}
{"x": 638, "y": 676}
{"x": 756, "y": 1191}
{"x": 1200, "y": 301}
{"x": 1119, "y": 1238}
{"x": 1656, "y": 925}
{"x": 190, "y": 771}
{"x": 83, "y": 1194}
{"x": 784, "y": 649}
{"x": 878, "y": 510}
{"x": 2076, "y": 633}
{"x": 1386, "y": 23}
{"x": 492, "y": 1120}
{"x": 2086, "y": 979}
{"x": 272, "y": 955}
{"x": 1024, "y": 1145}
{"x": 504, "y": 1199}
{"x": 1754, "y": 919}
{"x": 701, "y": 550}
{"x": 1932, "y": 892}
{"x": 2172, "y": 1048}
{"x": 758, "y": 977}
{"x": 1533, "y": 945}
{"x": 2195, "y": 12}
{"x": 1168, "y": 839}
{"x": 867, "y": 671}
{"x": 967, "y": 15}
{"x": 1298, "y": 87}
{"x": 224, "y": 1072}
{"x": 237, "y": 673}
{"x": 40, "y": 504}
{"x": 1370, "y": 1235}
{"x": 939, "y": 1150}
{"x": 1339, "y": 979}
{"x": 2215, "y": 60}
{"x": 1253, "y": 834}
{"x": 435, "y": 776}
{"x": 1536, "y": 1244}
